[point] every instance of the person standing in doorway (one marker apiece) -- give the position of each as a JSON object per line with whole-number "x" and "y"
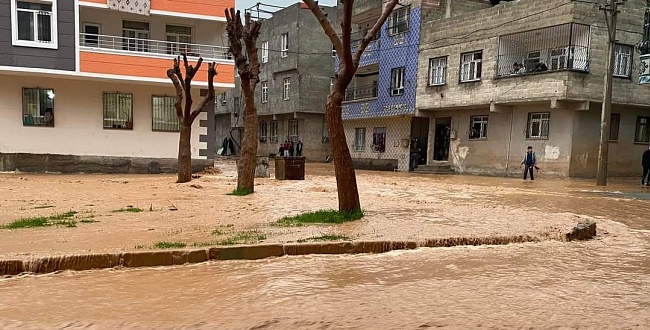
{"x": 291, "y": 149}
{"x": 645, "y": 162}
{"x": 299, "y": 149}
{"x": 530, "y": 163}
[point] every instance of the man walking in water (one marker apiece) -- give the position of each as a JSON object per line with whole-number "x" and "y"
{"x": 645, "y": 162}
{"x": 530, "y": 163}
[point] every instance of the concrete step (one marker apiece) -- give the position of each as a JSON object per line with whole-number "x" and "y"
{"x": 435, "y": 169}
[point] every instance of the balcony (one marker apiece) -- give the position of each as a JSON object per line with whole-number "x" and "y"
{"x": 361, "y": 93}
{"x": 555, "y": 48}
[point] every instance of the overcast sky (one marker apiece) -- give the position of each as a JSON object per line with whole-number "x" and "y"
{"x": 243, "y": 4}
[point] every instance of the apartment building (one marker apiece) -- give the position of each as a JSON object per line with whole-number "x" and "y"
{"x": 496, "y": 79}
{"x": 84, "y": 88}
{"x": 296, "y": 67}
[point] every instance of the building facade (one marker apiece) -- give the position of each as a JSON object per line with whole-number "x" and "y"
{"x": 497, "y": 79}
{"x": 296, "y": 67}
{"x": 83, "y": 84}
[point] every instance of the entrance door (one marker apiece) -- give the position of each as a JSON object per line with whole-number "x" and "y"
{"x": 441, "y": 143}
{"x": 419, "y": 140}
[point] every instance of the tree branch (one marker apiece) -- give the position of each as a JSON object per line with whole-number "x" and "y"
{"x": 235, "y": 35}
{"x": 371, "y": 34}
{"x": 250, "y": 39}
{"x": 346, "y": 30}
{"x": 326, "y": 24}
{"x": 208, "y": 99}
{"x": 171, "y": 73}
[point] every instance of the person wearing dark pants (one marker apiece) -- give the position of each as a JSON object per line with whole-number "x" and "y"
{"x": 645, "y": 162}
{"x": 530, "y": 163}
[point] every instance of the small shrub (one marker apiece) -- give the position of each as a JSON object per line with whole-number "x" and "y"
{"x": 169, "y": 245}
{"x": 241, "y": 192}
{"x": 59, "y": 219}
{"x": 322, "y": 216}
{"x": 129, "y": 209}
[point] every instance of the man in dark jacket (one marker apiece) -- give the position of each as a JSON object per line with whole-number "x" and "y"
{"x": 645, "y": 162}
{"x": 530, "y": 163}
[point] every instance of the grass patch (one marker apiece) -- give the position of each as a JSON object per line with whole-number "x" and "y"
{"x": 169, "y": 245}
{"x": 204, "y": 244}
{"x": 43, "y": 207}
{"x": 241, "y": 192}
{"x": 245, "y": 237}
{"x": 322, "y": 216}
{"x": 325, "y": 237}
{"x": 129, "y": 209}
{"x": 60, "y": 219}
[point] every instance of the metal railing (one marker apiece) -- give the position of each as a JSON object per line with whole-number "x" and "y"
{"x": 98, "y": 41}
{"x": 360, "y": 93}
{"x": 555, "y": 48}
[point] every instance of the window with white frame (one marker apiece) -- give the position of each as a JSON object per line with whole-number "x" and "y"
{"x": 642, "y": 133}
{"x": 135, "y": 36}
{"x": 38, "y": 107}
{"x": 538, "y": 124}
{"x": 118, "y": 110}
{"x": 293, "y": 130}
{"x": 478, "y": 127}
{"x": 286, "y": 89}
{"x": 379, "y": 139}
{"x": 34, "y": 23}
{"x": 399, "y": 21}
{"x": 265, "y": 91}
{"x": 397, "y": 81}
{"x": 179, "y": 39}
{"x": 164, "y": 117}
{"x": 622, "y": 60}
{"x": 265, "y": 52}
{"x": 284, "y": 45}
{"x": 360, "y": 139}
{"x": 263, "y": 131}
{"x": 438, "y": 71}
{"x": 470, "y": 66}
{"x": 274, "y": 131}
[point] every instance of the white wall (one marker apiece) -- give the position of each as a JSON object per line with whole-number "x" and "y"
{"x": 78, "y": 113}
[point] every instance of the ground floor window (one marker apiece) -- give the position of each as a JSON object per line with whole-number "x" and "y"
{"x": 118, "y": 110}
{"x": 478, "y": 127}
{"x": 38, "y": 107}
{"x": 263, "y": 131}
{"x": 379, "y": 139}
{"x": 641, "y": 134}
{"x": 164, "y": 117}
{"x": 293, "y": 130}
{"x": 538, "y": 123}
{"x": 274, "y": 131}
{"x": 614, "y": 123}
{"x": 360, "y": 139}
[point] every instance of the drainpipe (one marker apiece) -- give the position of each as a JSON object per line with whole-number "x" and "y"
{"x": 512, "y": 120}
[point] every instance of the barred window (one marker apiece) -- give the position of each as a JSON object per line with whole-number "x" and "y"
{"x": 164, "y": 117}
{"x": 274, "y": 131}
{"x": 360, "y": 139}
{"x": 397, "y": 81}
{"x": 293, "y": 130}
{"x": 437, "y": 71}
{"x": 622, "y": 60}
{"x": 614, "y": 123}
{"x": 118, "y": 110}
{"x": 538, "y": 123}
{"x": 478, "y": 127}
{"x": 399, "y": 21}
{"x": 263, "y": 131}
{"x": 642, "y": 133}
{"x": 379, "y": 139}
{"x": 286, "y": 90}
{"x": 265, "y": 91}
{"x": 38, "y": 107}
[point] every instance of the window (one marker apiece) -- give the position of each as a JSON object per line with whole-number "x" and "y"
{"x": 118, "y": 110}
{"x": 265, "y": 52}
{"x": 284, "y": 47}
{"x": 34, "y": 23}
{"x": 379, "y": 139}
{"x": 224, "y": 99}
{"x": 265, "y": 91}
{"x": 164, "y": 117}
{"x": 179, "y": 39}
{"x": 90, "y": 37}
{"x": 263, "y": 131}
{"x": 538, "y": 125}
{"x": 622, "y": 60}
{"x": 360, "y": 139}
{"x": 236, "y": 106}
{"x": 478, "y": 127}
{"x": 614, "y": 124}
{"x": 286, "y": 89}
{"x": 641, "y": 134}
{"x": 274, "y": 131}
{"x": 437, "y": 71}
{"x": 293, "y": 130}
{"x": 38, "y": 107}
{"x": 397, "y": 81}
{"x": 470, "y": 66}
{"x": 399, "y": 21}
{"x": 135, "y": 36}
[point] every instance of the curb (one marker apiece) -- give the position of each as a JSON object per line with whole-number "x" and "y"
{"x": 583, "y": 231}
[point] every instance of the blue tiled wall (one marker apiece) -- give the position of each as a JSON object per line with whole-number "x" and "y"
{"x": 393, "y": 52}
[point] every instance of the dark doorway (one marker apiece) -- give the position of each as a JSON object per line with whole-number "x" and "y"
{"x": 441, "y": 143}
{"x": 419, "y": 141}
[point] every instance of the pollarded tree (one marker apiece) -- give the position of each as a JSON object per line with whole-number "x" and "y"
{"x": 243, "y": 40}
{"x": 186, "y": 115}
{"x": 346, "y": 180}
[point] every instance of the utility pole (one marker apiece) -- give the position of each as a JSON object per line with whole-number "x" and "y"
{"x": 611, "y": 13}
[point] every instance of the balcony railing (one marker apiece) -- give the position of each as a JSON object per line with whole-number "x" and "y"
{"x": 104, "y": 42}
{"x": 555, "y": 48}
{"x": 360, "y": 93}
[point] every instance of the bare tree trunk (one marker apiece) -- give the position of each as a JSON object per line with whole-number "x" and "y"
{"x": 248, "y": 156}
{"x": 185, "y": 154}
{"x": 346, "y": 180}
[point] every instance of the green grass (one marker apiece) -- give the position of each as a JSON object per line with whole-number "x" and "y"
{"x": 322, "y": 216}
{"x": 169, "y": 245}
{"x": 204, "y": 244}
{"x": 325, "y": 237}
{"x": 43, "y": 207}
{"x": 241, "y": 192}
{"x": 129, "y": 209}
{"x": 59, "y": 219}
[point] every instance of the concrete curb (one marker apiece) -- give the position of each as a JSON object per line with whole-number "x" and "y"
{"x": 583, "y": 231}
